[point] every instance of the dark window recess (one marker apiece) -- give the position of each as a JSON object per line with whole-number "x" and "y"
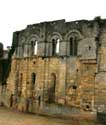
{"x": 32, "y": 47}
{"x": 77, "y": 70}
{"x": 39, "y": 99}
{"x": 99, "y": 44}
{"x": 33, "y": 78}
{"x": 34, "y": 62}
{"x": 33, "y": 44}
{"x": 74, "y": 87}
{"x": 43, "y": 58}
{"x": 73, "y": 46}
{"x": 87, "y": 106}
{"x": 97, "y": 38}
{"x": 23, "y": 48}
{"x": 89, "y": 47}
{"x": 53, "y": 47}
{"x": 27, "y": 82}
{"x": 53, "y": 40}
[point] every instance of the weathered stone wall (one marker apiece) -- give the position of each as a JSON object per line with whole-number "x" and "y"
{"x": 74, "y": 84}
{"x": 100, "y": 80}
{"x": 71, "y": 78}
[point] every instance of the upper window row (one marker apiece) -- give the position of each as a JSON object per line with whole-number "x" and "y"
{"x": 73, "y": 43}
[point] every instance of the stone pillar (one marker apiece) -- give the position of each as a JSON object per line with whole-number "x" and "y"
{"x": 100, "y": 80}
{"x": 61, "y": 94}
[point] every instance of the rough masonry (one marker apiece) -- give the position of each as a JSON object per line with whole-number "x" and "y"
{"x": 57, "y": 67}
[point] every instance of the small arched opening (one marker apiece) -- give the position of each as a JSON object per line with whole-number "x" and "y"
{"x": 34, "y": 45}
{"x": 55, "y": 46}
{"x": 73, "y": 46}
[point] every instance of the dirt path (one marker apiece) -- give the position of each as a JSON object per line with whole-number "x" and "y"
{"x": 8, "y": 117}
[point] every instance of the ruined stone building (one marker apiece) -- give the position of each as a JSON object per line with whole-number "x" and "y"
{"x": 57, "y": 67}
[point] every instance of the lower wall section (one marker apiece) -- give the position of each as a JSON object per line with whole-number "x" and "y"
{"x": 100, "y": 92}
{"x": 54, "y": 85}
{"x": 39, "y": 107}
{"x": 60, "y": 109}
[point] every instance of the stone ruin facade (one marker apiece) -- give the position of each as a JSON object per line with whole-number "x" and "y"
{"x": 57, "y": 67}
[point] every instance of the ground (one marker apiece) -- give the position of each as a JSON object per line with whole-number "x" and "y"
{"x": 10, "y": 117}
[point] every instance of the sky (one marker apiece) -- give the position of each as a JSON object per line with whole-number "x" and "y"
{"x": 17, "y": 14}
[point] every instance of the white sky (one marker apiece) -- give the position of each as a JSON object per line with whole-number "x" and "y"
{"x": 16, "y": 14}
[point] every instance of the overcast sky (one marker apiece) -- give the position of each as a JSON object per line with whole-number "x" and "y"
{"x": 16, "y": 14}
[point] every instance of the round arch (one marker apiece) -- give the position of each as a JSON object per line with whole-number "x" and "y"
{"x": 33, "y": 42}
{"x": 33, "y": 37}
{"x": 73, "y": 33}
{"x": 54, "y": 35}
{"x": 72, "y": 38}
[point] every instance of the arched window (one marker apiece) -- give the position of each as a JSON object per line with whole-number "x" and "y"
{"x": 34, "y": 45}
{"x": 52, "y": 88}
{"x": 55, "y": 46}
{"x": 73, "y": 46}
